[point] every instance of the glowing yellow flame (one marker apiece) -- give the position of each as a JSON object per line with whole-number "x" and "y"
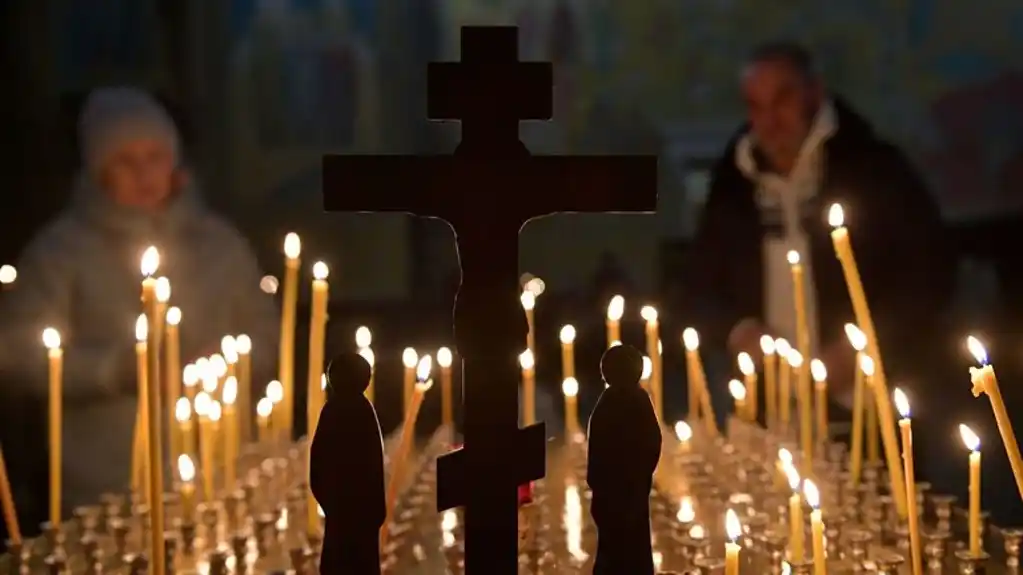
{"x": 409, "y": 358}
{"x": 264, "y": 407}
{"x": 363, "y": 337}
{"x": 737, "y": 389}
{"x": 732, "y": 526}
{"x": 51, "y": 338}
{"x": 243, "y": 343}
{"x": 320, "y": 271}
{"x": 836, "y": 216}
{"x": 570, "y": 387}
{"x": 190, "y": 375}
{"x": 683, "y": 431}
{"x": 215, "y": 411}
{"x": 186, "y": 468}
{"x": 209, "y": 381}
{"x": 229, "y": 347}
{"x": 526, "y": 360}
{"x": 795, "y": 358}
{"x": 275, "y": 391}
{"x": 793, "y": 257}
{"x": 615, "y": 343}
{"x": 745, "y": 362}
{"x": 182, "y": 410}
{"x": 785, "y": 456}
{"x": 901, "y": 402}
{"x": 691, "y": 339}
{"x": 292, "y": 246}
{"x": 818, "y": 371}
{"x": 323, "y": 381}
{"x": 174, "y": 316}
{"x": 856, "y": 337}
{"x": 368, "y": 355}
{"x": 449, "y": 520}
{"x": 767, "y": 344}
{"x": 812, "y": 494}
{"x": 567, "y": 334}
{"x": 218, "y": 365}
{"x": 977, "y": 349}
{"x": 615, "y": 308}
{"x": 142, "y": 328}
{"x": 686, "y": 511}
{"x": 648, "y": 313}
{"x": 648, "y": 367}
{"x": 150, "y": 261}
{"x": 867, "y": 365}
{"x": 970, "y": 439}
{"x": 793, "y": 476}
{"x": 444, "y": 357}
{"x": 8, "y": 274}
{"x": 782, "y": 347}
{"x": 424, "y": 368}
{"x": 163, "y": 290}
{"x": 230, "y": 392}
{"x": 201, "y": 404}
{"x": 528, "y": 300}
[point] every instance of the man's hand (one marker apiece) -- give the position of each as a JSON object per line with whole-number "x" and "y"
{"x": 745, "y": 337}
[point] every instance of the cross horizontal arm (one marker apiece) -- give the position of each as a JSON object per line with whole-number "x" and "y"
{"x": 385, "y": 183}
{"x": 623, "y": 184}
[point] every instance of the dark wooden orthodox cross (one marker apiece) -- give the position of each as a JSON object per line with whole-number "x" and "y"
{"x": 486, "y": 191}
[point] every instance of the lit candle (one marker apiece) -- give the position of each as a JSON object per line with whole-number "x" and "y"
{"x": 985, "y": 381}
{"x": 447, "y": 402}
{"x": 803, "y": 345}
{"x": 686, "y": 511}
{"x": 264, "y": 409}
{"x": 140, "y": 443}
{"x": 813, "y": 497}
{"x": 859, "y": 342}
{"x": 906, "y": 430}
{"x": 317, "y": 333}
{"x": 699, "y": 395}
{"x": 190, "y": 380}
{"x": 186, "y": 474}
{"x": 215, "y": 415}
{"x": 172, "y": 369}
{"x": 286, "y": 350}
{"x": 275, "y": 393}
{"x": 183, "y": 418}
{"x": 820, "y": 387}
{"x": 201, "y": 407}
{"x": 570, "y": 389}
{"x": 8, "y": 275}
{"x": 243, "y": 372}
{"x": 734, "y": 529}
{"x": 615, "y": 310}
{"x": 781, "y": 467}
{"x": 230, "y": 429}
{"x": 783, "y": 350}
{"x": 363, "y": 341}
{"x": 424, "y": 382}
{"x": 684, "y": 433}
{"x": 870, "y": 411}
{"x": 749, "y": 377}
{"x": 567, "y": 337}
{"x": 528, "y": 299}
{"x": 229, "y": 353}
{"x": 7, "y": 501}
{"x": 51, "y": 339}
{"x": 844, "y": 252}
{"x": 738, "y": 392}
{"x": 972, "y": 443}
{"x": 526, "y": 362}
{"x": 770, "y": 381}
{"x": 150, "y": 264}
{"x": 797, "y": 550}
{"x": 409, "y": 358}
{"x": 795, "y": 361}
{"x": 653, "y": 350}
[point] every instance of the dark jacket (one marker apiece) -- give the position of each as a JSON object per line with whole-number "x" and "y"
{"x": 894, "y": 224}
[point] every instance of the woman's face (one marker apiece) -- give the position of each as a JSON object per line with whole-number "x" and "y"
{"x": 140, "y": 173}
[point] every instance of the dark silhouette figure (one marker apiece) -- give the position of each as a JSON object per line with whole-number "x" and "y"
{"x": 346, "y": 471}
{"x": 625, "y": 445}
{"x": 486, "y": 191}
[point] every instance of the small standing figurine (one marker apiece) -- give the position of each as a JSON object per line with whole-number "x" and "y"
{"x": 346, "y": 471}
{"x": 624, "y": 448}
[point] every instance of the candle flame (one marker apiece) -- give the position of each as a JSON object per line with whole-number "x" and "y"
{"x": 970, "y": 439}
{"x": 150, "y": 261}
{"x": 648, "y": 367}
{"x": 812, "y": 494}
{"x": 867, "y": 365}
{"x": 142, "y": 328}
{"x": 795, "y": 358}
{"x": 51, "y": 338}
{"x": 535, "y": 285}
{"x": 690, "y": 339}
{"x": 785, "y": 456}
{"x": 567, "y": 334}
{"x": 857, "y": 339}
{"x": 793, "y": 476}
{"x": 215, "y": 411}
{"x": 660, "y": 347}
{"x": 782, "y": 347}
{"x": 444, "y": 357}
{"x": 202, "y": 403}
{"x": 174, "y": 316}
{"x": 275, "y": 391}
{"x": 424, "y": 368}
{"x": 229, "y": 348}
{"x": 745, "y": 362}
{"x": 528, "y": 300}
{"x": 190, "y": 375}
{"x": 218, "y": 365}
{"x": 8, "y": 274}
{"x": 793, "y": 257}
{"x": 409, "y": 358}
{"x": 209, "y": 381}
{"x": 243, "y": 343}
{"x": 570, "y": 387}
{"x": 186, "y": 468}
{"x": 163, "y": 289}
{"x": 686, "y": 511}
{"x": 182, "y": 410}
{"x": 320, "y": 271}
{"x": 737, "y": 389}
{"x": 648, "y": 313}
{"x": 526, "y": 360}
{"x": 836, "y": 216}
{"x": 977, "y": 349}
{"x": 697, "y": 532}
{"x": 767, "y": 344}
{"x": 818, "y": 371}
{"x": 732, "y": 526}
{"x": 370, "y": 357}
{"x": 230, "y": 391}
{"x": 901, "y": 402}
{"x": 449, "y": 520}
{"x": 292, "y": 246}
{"x": 363, "y": 337}
{"x": 683, "y": 431}
{"x": 264, "y": 407}
{"x": 615, "y": 308}
{"x": 615, "y": 343}
{"x": 323, "y": 381}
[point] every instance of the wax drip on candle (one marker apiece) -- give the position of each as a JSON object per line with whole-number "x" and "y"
{"x": 616, "y": 308}
{"x": 363, "y": 337}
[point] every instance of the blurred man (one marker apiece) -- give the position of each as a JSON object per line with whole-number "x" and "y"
{"x": 801, "y": 150}
{"x": 82, "y": 275}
